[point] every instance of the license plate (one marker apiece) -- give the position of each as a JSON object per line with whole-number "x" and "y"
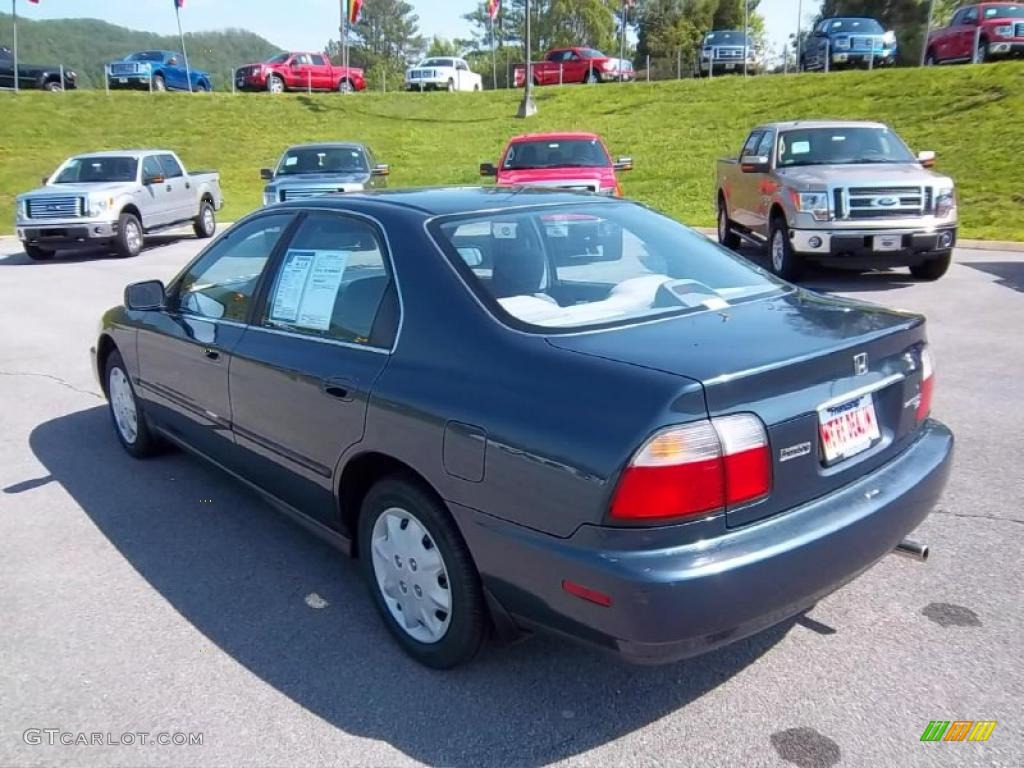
{"x": 848, "y": 428}
{"x": 888, "y": 242}
{"x": 122, "y": 79}
{"x": 840, "y": 57}
{"x": 730, "y": 65}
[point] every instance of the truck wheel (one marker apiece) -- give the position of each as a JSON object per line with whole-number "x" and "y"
{"x": 129, "y": 236}
{"x": 205, "y": 224}
{"x": 981, "y": 54}
{"x": 201, "y": 87}
{"x": 159, "y": 84}
{"x": 726, "y": 236}
{"x": 451, "y": 86}
{"x": 591, "y": 77}
{"x": 36, "y": 253}
{"x": 930, "y": 60}
{"x": 275, "y": 84}
{"x": 932, "y": 269}
{"x": 345, "y": 86}
{"x": 53, "y": 86}
{"x": 785, "y": 262}
{"x": 420, "y": 574}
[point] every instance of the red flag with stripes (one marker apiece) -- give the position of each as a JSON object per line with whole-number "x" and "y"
{"x": 354, "y": 9}
{"x": 493, "y": 6}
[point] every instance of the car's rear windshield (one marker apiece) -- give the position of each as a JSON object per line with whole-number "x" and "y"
{"x": 556, "y": 153}
{"x": 323, "y": 160}
{"x": 97, "y": 169}
{"x": 1004, "y": 12}
{"x": 146, "y": 56}
{"x": 852, "y": 145}
{"x": 855, "y": 26}
{"x": 726, "y": 37}
{"x": 592, "y": 265}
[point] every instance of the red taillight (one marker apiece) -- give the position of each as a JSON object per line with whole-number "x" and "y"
{"x": 924, "y": 403}
{"x": 696, "y": 468}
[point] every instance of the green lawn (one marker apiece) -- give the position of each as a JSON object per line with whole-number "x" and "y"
{"x": 973, "y": 116}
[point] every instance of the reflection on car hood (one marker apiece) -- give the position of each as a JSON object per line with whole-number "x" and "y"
{"x": 568, "y": 177}
{"x": 320, "y": 179}
{"x": 871, "y": 174}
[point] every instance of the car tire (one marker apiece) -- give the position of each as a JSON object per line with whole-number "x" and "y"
{"x": 784, "y": 261}
{"x": 726, "y": 236}
{"x": 444, "y": 580}
{"x": 36, "y": 253}
{"x": 130, "y": 237}
{"x": 930, "y": 60}
{"x": 591, "y": 77}
{"x": 129, "y": 421}
{"x": 202, "y": 87}
{"x": 345, "y": 85}
{"x": 275, "y": 84}
{"x": 476, "y": 86}
{"x": 205, "y": 224}
{"x": 451, "y": 86}
{"x": 981, "y": 52}
{"x": 932, "y": 269}
{"x": 53, "y": 86}
{"x": 159, "y": 84}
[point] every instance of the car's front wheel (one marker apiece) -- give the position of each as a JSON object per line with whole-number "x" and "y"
{"x": 36, "y": 253}
{"x": 932, "y": 269}
{"x": 785, "y": 262}
{"x": 275, "y": 84}
{"x": 159, "y": 84}
{"x": 345, "y": 86}
{"x": 129, "y": 423}
{"x": 420, "y": 574}
{"x": 591, "y": 77}
{"x": 129, "y": 236}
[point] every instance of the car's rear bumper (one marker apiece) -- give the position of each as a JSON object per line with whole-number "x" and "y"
{"x": 676, "y": 601}
{"x": 915, "y": 245}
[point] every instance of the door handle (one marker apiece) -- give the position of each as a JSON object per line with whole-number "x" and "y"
{"x": 211, "y": 354}
{"x": 340, "y": 389}
{"x": 188, "y": 185}
{"x": 170, "y": 188}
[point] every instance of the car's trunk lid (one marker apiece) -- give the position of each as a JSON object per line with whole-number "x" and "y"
{"x": 783, "y": 358}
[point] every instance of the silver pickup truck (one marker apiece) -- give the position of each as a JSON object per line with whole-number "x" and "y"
{"x": 837, "y": 192}
{"x": 308, "y": 170}
{"x": 115, "y": 199}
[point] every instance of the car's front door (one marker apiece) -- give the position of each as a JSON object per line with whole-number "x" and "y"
{"x": 157, "y": 208}
{"x": 302, "y": 374}
{"x": 966, "y": 32}
{"x": 185, "y": 349}
{"x": 762, "y": 187}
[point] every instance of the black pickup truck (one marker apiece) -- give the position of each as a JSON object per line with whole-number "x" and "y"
{"x": 33, "y": 76}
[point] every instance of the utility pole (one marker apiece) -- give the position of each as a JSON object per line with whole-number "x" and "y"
{"x": 746, "y": 37}
{"x": 14, "y": 51}
{"x": 343, "y": 30}
{"x": 799, "y": 40}
{"x": 527, "y": 107}
{"x": 622, "y": 39}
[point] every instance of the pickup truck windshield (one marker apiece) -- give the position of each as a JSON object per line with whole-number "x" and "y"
{"x": 84, "y": 170}
{"x": 281, "y": 58}
{"x": 323, "y": 160}
{"x": 729, "y": 37}
{"x": 1004, "y": 12}
{"x": 855, "y": 26}
{"x": 850, "y": 145}
{"x": 562, "y": 153}
{"x": 586, "y": 265}
{"x": 146, "y": 56}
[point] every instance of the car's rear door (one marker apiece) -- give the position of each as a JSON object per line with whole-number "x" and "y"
{"x": 301, "y": 375}
{"x": 182, "y": 202}
{"x": 156, "y": 210}
{"x": 321, "y": 73}
{"x": 185, "y": 349}
{"x": 743, "y": 194}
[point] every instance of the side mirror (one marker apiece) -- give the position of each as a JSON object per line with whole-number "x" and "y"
{"x": 295, "y": 64}
{"x": 926, "y": 158}
{"x": 624, "y": 164}
{"x": 46, "y": 180}
{"x": 266, "y": 174}
{"x": 381, "y": 169}
{"x": 149, "y": 294}
{"x": 488, "y": 169}
{"x": 754, "y": 164}
{"x": 173, "y": 61}
{"x": 154, "y": 178}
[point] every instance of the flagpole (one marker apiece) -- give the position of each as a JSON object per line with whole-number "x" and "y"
{"x": 494, "y": 56}
{"x": 184, "y": 51}
{"x": 344, "y": 34}
{"x": 622, "y": 40}
{"x": 14, "y": 52}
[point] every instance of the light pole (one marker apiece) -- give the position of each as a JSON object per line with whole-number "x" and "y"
{"x": 527, "y": 107}
{"x": 799, "y": 24}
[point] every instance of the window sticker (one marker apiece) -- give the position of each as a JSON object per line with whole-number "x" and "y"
{"x": 504, "y": 230}
{"x": 308, "y": 287}
{"x": 799, "y": 147}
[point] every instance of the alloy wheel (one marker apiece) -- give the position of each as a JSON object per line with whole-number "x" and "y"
{"x": 778, "y": 250}
{"x": 122, "y": 403}
{"x": 133, "y": 236}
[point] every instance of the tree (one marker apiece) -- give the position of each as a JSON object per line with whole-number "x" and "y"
{"x": 440, "y": 46}
{"x": 389, "y": 29}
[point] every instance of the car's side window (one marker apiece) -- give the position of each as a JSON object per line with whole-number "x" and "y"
{"x": 764, "y": 147}
{"x": 151, "y": 167}
{"x": 970, "y": 16}
{"x": 461, "y": 65}
{"x": 332, "y": 281}
{"x": 222, "y": 283}
{"x": 318, "y": 60}
{"x": 751, "y": 146}
{"x": 171, "y": 167}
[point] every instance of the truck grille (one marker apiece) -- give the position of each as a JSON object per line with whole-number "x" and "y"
{"x": 301, "y": 194}
{"x": 55, "y": 208}
{"x": 124, "y": 68}
{"x": 729, "y": 54}
{"x": 422, "y": 74}
{"x": 863, "y": 43}
{"x": 881, "y": 202}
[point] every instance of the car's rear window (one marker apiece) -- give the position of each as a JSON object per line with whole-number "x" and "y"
{"x": 556, "y": 153}
{"x": 574, "y": 266}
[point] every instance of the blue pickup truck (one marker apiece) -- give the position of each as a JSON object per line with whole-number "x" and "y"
{"x": 842, "y": 42}
{"x": 156, "y": 70}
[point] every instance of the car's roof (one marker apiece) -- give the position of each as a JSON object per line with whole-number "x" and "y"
{"x": 125, "y": 152}
{"x": 822, "y": 124}
{"x": 329, "y": 145}
{"x": 849, "y": 18}
{"x": 552, "y": 136}
{"x": 440, "y": 201}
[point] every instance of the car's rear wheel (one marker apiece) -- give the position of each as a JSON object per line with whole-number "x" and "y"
{"x": 202, "y": 87}
{"x": 345, "y": 86}
{"x": 785, "y": 262}
{"x": 932, "y": 269}
{"x": 53, "y": 86}
{"x": 420, "y": 574}
{"x": 981, "y": 53}
{"x": 451, "y": 86}
{"x": 36, "y": 253}
{"x": 930, "y": 60}
{"x": 726, "y": 236}
{"x": 129, "y": 422}
{"x": 130, "y": 237}
{"x": 205, "y": 224}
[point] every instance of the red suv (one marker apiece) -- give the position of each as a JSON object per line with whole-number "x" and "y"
{"x": 565, "y": 160}
{"x": 978, "y": 33}
{"x": 298, "y": 71}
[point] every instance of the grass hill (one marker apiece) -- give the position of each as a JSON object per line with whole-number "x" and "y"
{"x": 970, "y": 115}
{"x": 86, "y": 45}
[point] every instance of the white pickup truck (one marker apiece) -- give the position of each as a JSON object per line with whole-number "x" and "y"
{"x": 442, "y": 73}
{"x": 115, "y": 199}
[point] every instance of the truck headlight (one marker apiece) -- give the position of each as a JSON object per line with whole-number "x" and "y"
{"x": 945, "y": 203}
{"x": 269, "y": 197}
{"x": 889, "y": 39}
{"x": 841, "y": 42}
{"x": 814, "y": 203}
{"x": 705, "y": 53}
{"x": 1004, "y": 30}
{"x": 96, "y": 207}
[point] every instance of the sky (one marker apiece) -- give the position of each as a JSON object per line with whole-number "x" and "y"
{"x": 307, "y": 24}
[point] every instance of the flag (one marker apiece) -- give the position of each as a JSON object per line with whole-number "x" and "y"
{"x": 179, "y": 4}
{"x": 354, "y": 7}
{"x": 493, "y": 6}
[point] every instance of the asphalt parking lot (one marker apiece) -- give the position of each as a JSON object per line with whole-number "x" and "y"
{"x": 161, "y": 596}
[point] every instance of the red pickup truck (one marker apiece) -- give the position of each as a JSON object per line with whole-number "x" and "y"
{"x": 564, "y": 160}
{"x": 298, "y": 71}
{"x": 978, "y": 33}
{"x": 575, "y": 65}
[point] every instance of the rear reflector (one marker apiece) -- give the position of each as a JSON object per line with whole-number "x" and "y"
{"x": 591, "y": 595}
{"x": 924, "y": 403}
{"x": 696, "y": 468}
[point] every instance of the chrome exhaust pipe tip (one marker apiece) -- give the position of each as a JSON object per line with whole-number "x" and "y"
{"x": 914, "y": 549}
